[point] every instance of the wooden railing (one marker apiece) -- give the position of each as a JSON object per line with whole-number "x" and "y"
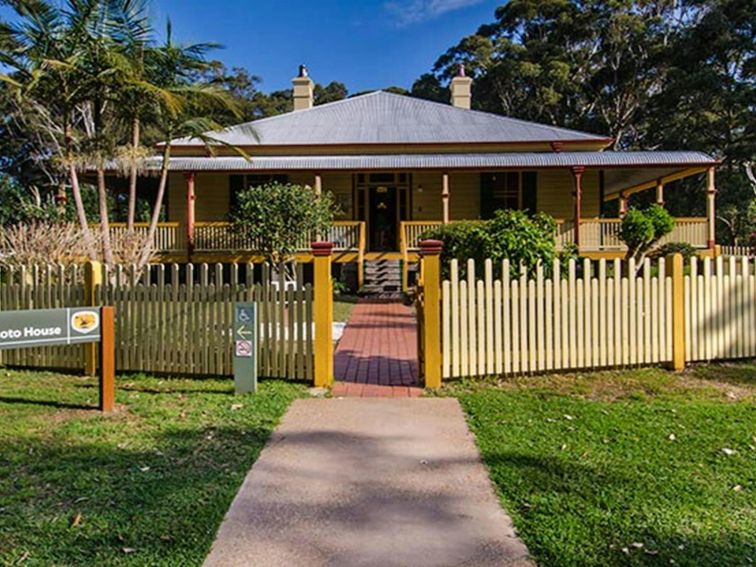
{"x": 169, "y": 236}
{"x": 595, "y": 234}
{"x": 604, "y": 234}
{"x": 410, "y": 232}
{"x": 693, "y": 230}
{"x": 218, "y": 236}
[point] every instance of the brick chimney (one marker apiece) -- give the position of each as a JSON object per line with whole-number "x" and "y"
{"x": 303, "y": 90}
{"x": 461, "y": 96}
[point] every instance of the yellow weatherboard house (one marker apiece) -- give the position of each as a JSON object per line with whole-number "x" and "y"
{"x": 399, "y": 165}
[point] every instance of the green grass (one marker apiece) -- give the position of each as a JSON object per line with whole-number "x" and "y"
{"x": 625, "y": 468}
{"x": 343, "y": 306}
{"x": 148, "y": 485}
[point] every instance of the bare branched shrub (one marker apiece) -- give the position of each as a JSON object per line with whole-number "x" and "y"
{"x": 38, "y": 243}
{"x": 129, "y": 247}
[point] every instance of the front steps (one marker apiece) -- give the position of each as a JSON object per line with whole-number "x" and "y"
{"x": 382, "y": 277}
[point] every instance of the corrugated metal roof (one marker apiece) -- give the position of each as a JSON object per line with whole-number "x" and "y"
{"x": 523, "y": 160}
{"x": 387, "y": 118}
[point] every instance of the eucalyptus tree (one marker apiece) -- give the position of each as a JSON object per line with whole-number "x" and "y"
{"x": 592, "y": 65}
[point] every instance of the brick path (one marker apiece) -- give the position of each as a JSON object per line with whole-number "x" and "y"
{"x": 377, "y": 355}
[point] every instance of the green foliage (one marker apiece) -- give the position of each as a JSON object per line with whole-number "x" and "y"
{"x": 279, "y": 216}
{"x": 641, "y": 229}
{"x": 511, "y": 235}
{"x": 661, "y": 75}
{"x": 462, "y": 240}
{"x": 21, "y": 205}
{"x": 687, "y": 251}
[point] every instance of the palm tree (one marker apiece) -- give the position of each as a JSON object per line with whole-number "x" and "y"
{"x": 39, "y": 50}
{"x": 184, "y": 109}
{"x": 78, "y": 67}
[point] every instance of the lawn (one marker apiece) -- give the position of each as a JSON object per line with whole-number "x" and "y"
{"x": 343, "y": 306}
{"x": 148, "y": 485}
{"x": 641, "y": 467}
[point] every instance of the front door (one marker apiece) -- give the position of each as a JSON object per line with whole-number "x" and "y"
{"x": 383, "y": 219}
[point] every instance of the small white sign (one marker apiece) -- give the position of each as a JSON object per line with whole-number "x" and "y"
{"x": 85, "y": 321}
{"x": 244, "y": 349}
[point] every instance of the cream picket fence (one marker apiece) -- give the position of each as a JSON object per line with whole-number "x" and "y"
{"x": 175, "y": 319}
{"x": 720, "y": 309}
{"x": 749, "y": 251}
{"x": 591, "y": 316}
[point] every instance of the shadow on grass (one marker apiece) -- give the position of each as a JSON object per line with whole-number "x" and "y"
{"x": 164, "y": 503}
{"x": 122, "y": 383}
{"x": 570, "y": 513}
{"x": 47, "y": 403}
{"x": 739, "y": 374}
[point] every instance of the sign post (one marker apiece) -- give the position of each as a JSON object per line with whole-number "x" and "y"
{"x": 245, "y": 348}
{"x": 67, "y": 326}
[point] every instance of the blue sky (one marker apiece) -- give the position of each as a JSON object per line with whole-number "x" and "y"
{"x": 366, "y": 44}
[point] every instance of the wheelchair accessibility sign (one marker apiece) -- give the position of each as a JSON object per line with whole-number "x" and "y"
{"x": 245, "y": 348}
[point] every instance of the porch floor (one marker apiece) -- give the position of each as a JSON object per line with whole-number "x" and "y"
{"x": 377, "y": 354}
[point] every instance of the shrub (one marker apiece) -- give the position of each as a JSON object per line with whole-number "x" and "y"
{"x": 37, "y": 243}
{"x": 641, "y": 229}
{"x": 509, "y": 235}
{"x": 281, "y": 217}
{"x": 462, "y": 240}
{"x": 687, "y": 250}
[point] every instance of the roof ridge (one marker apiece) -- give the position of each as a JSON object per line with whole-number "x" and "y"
{"x": 458, "y": 124}
{"x": 302, "y": 110}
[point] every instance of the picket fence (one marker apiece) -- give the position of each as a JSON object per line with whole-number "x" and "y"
{"x": 175, "y": 319}
{"x": 591, "y": 316}
{"x": 739, "y": 251}
{"x": 720, "y": 309}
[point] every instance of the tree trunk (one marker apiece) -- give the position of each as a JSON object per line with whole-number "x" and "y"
{"x": 133, "y": 175}
{"x": 80, "y": 212}
{"x": 147, "y": 252}
{"x": 61, "y": 198}
{"x": 107, "y": 249}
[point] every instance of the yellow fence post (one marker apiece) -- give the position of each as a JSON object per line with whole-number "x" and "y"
{"x": 323, "y": 313}
{"x": 92, "y": 282}
{"x": 430, "y": 269}
{"x": 361, "y": 258}
{"x": 675, "y": 268}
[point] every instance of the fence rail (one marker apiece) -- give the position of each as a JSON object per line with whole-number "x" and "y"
{"x": 591, "y": 316}
{"x": 170, "y": 237}
{"x": 595, "y": 234}
{"x": 176, "y": 319}
{"x": 218, "y": 237}
{"x": 749, "y": 251}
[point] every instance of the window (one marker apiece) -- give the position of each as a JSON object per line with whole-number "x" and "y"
{"x": 240, "y": 182}
{"x": 507, "y": 190}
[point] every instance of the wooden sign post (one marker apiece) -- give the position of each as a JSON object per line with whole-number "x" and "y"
{"x": 68, "y": 326}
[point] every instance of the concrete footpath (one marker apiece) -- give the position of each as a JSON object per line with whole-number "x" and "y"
{"x": 360, "y": 482}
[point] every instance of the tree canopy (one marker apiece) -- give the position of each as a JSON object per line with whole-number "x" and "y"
{"x": 651, "y": 75}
